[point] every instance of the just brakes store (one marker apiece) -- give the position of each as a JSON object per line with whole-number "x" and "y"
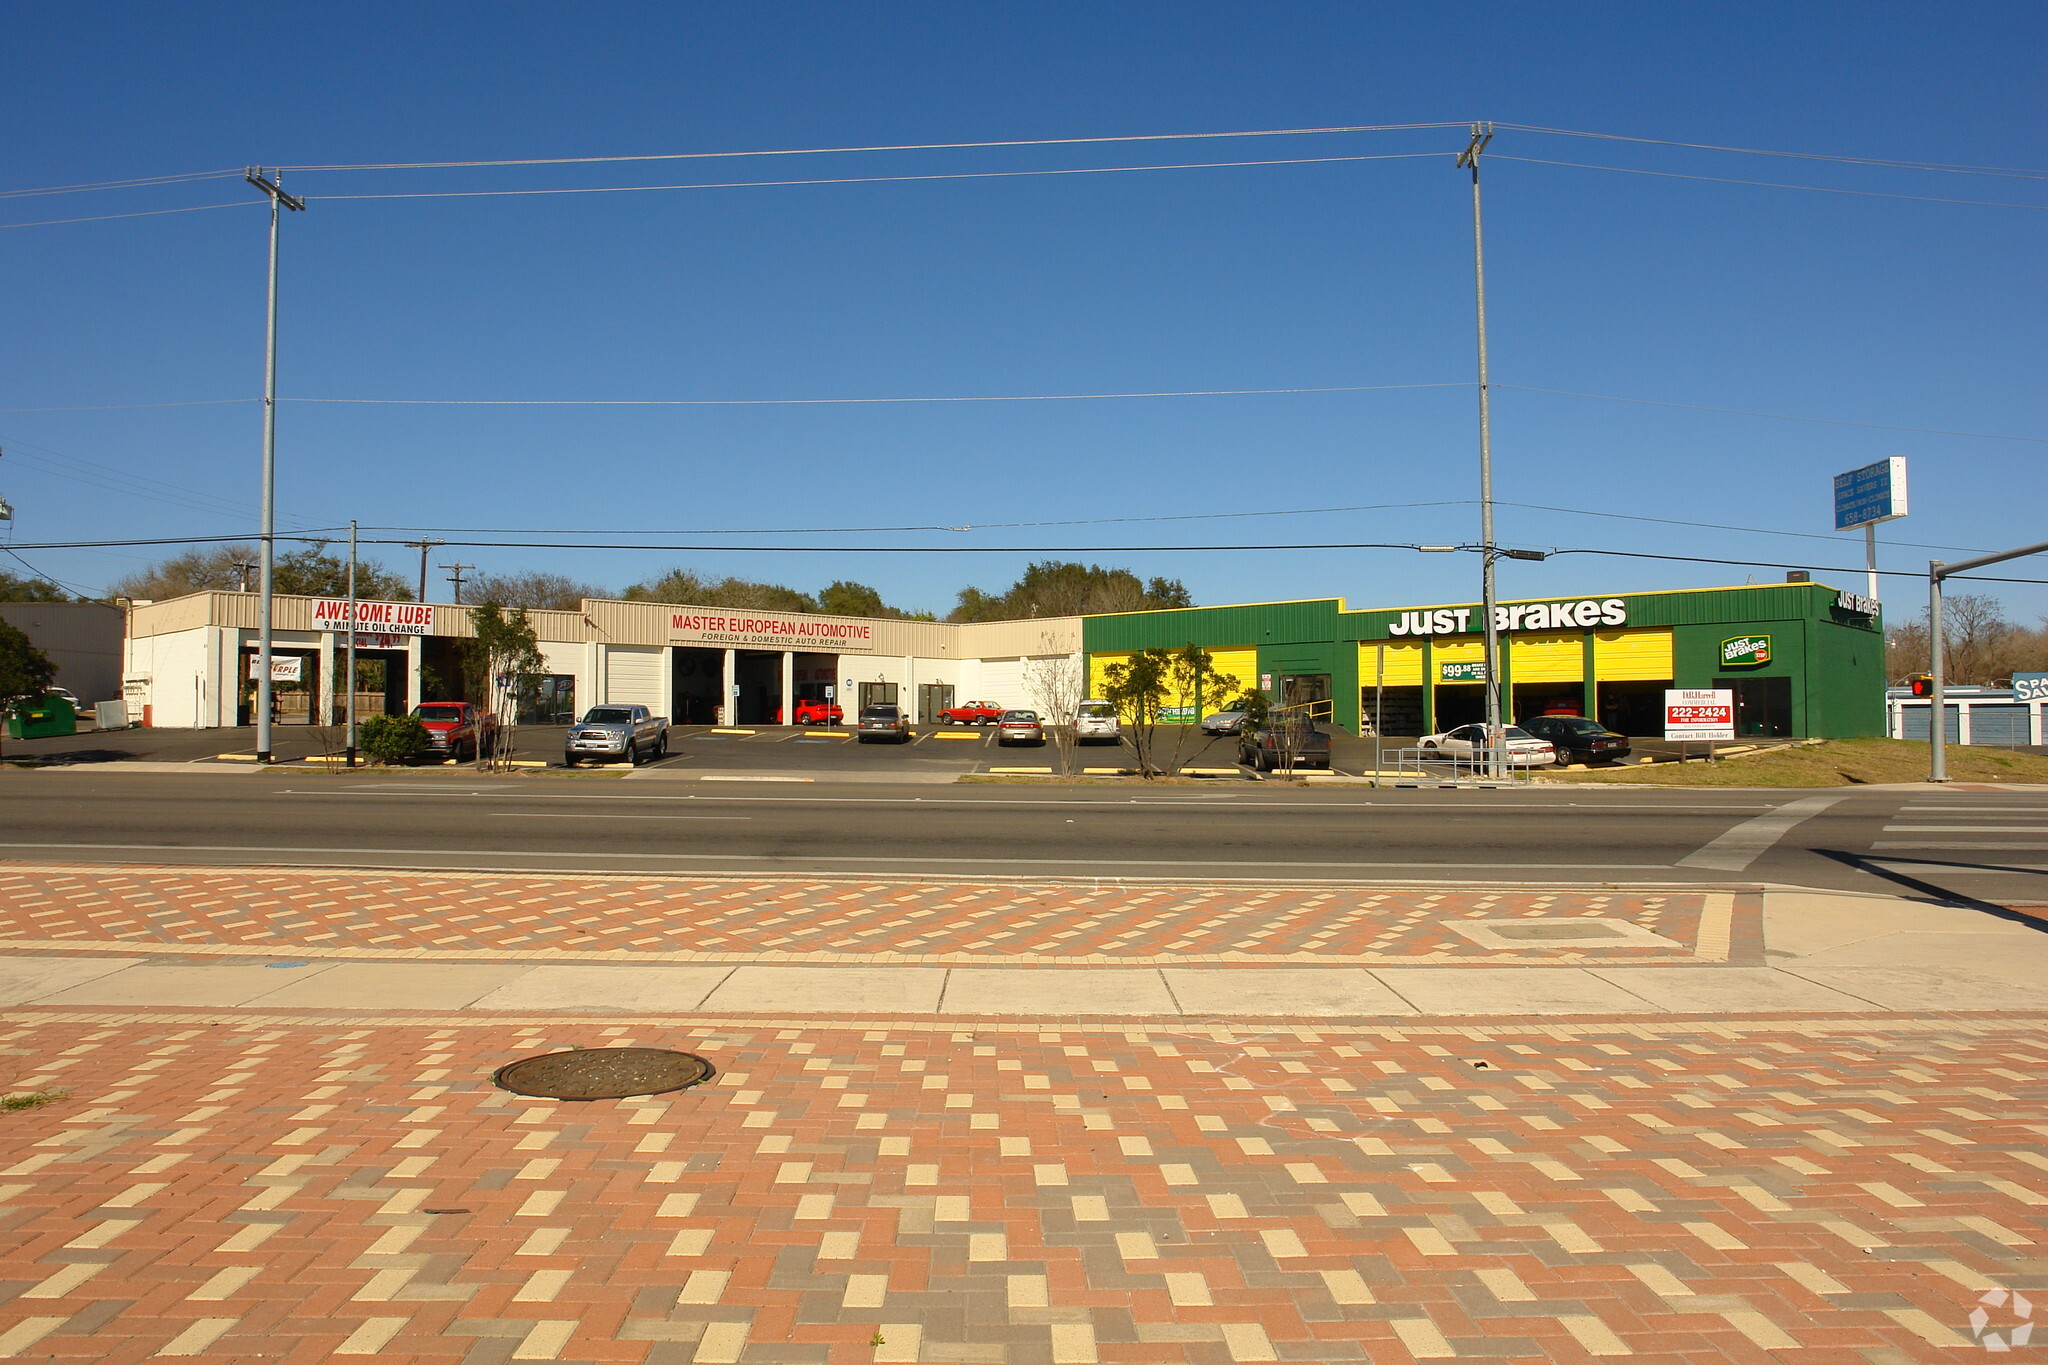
{"x": 1802, "y": 659}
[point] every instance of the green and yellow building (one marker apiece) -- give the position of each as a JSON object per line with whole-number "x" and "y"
{"x": 1803, "y": 660}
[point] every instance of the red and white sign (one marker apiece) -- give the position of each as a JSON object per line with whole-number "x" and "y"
{"x": 1699, "y": 713}
{"x": 797, "y": 633}
{"x": 283, "y": 667}
{"x": 382, "y": 618}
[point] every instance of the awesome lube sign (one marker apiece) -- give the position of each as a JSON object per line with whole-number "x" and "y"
{"x": 1579, "y": 614}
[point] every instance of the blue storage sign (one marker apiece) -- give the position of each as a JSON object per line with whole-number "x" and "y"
{"x": 1874, "y": 493}
{"x": 2030, "y": 686}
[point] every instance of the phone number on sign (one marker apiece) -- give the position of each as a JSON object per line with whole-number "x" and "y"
{"x": 1698, "y": 715}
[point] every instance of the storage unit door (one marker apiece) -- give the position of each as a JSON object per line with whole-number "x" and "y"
{"x": 633, "y": 674}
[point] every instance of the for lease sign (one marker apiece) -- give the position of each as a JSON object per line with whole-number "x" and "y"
{"x": 1699, "y": 713}
{"x": 799, "y": 633}
{"x": 382, "y": 618}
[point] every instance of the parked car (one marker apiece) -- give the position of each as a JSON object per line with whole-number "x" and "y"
{"x": 1283, "y": 741}
{"x": 973, "y": 713}
{"x": 611, "y": 732}
{"x": 1579, "y": 740}
{"x": 883, "y": 721}
{"x": 1223, "y": 723}
{"x": 456, "y": 728}
{"x": 1524, "y": 750}
{"x": 814, "y": 713}
{"x": 1020, "y": 727}
{"x": 1095, "y": 723}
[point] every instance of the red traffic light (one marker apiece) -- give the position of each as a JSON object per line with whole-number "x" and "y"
{"x": 1922, "y": 684}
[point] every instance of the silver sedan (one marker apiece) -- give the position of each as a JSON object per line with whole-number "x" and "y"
{"x": 1020, "y": 727}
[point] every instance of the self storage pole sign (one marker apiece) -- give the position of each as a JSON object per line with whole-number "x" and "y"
{"x": 1699, "y": 713}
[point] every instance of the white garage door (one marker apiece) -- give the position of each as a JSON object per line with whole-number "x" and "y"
{"x": 633, "y": 674}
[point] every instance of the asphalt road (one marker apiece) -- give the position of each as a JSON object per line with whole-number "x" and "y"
{"x": 1989, "y": 845}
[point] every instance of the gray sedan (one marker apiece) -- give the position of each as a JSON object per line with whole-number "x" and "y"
{"x": 1020, "y": 727}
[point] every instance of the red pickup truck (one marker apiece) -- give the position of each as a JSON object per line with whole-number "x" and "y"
{"x": 973, "y": 713}
{"x": 456, "y": 728}
{"x": 814, "y": 713}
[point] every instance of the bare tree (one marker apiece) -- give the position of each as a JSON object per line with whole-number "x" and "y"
{"x": 1056, "y": 685}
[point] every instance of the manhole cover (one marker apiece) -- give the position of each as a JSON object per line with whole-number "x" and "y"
{"x": 604, "y": 1073}
{"x": 1530, "y": 932}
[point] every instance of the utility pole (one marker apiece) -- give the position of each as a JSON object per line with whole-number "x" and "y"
{"x": 1937, "y": 704}
{"x": 351, "y": 643}
{"x": 455, "y": 573}
{"x": 278, "y": 199}
{"x": 1482, "y": 133}
{"x": 243, "y": 568}
{"x": 422, "y": 545}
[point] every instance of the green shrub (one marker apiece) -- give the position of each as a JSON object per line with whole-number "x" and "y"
{"x": 391, "y": 738}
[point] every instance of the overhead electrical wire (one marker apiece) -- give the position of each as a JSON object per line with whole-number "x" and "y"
{"x": 1882, "y": 163}
{"x": 139, "y": 213}
{"x": 1764, "y": 184}
{"x": 874, "y": 179}
{"x": 1777, "y": 416}
{"x": 139, "y": 182}
{"x": 305, "y": 538}
{"x": 829, "y": 402}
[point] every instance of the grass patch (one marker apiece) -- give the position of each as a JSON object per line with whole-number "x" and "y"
{"x": 34, "y": 1099}
{"x": 1830, "y": 763}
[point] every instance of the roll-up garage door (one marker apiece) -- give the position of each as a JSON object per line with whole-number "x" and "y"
{"x": 1404, "y": 664}
{"x": 1548, "y": 658}
{"x": 1632, "y": 655}
{"x": 633, "y": 675}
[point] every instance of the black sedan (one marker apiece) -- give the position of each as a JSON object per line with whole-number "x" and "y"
{"x": 1578, "y": 740}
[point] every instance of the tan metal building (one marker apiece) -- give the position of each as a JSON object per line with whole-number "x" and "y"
{"x": 188, "y": 661}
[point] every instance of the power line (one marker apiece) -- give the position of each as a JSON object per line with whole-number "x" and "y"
{"x": 1718, "y": 526}
{"x": 122, "y": 407}
{"x": 831, "y": 402}
{"x": 79, "y": 589}
{"x": 1877, "y": 162}
{"x": 140, "y": 182}
{"x": 1777, "y": 416}
{"x": 139, "y": 213}
{"x": 304, "y": 538}
{"x": 873, "y": 179}
{"x": 883, "y": 147}
{"x": 1772, "y": 184}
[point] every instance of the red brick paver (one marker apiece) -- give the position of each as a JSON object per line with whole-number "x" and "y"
{"x": 297, "y": 1188}
{"x": 763, "y": 918}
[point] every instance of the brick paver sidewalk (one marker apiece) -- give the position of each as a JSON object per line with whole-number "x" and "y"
{"x": 295, "y": 1188}
{"x": 765, "y": 918}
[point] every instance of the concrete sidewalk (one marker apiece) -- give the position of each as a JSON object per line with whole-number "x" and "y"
{"x": 1823, "y": 952}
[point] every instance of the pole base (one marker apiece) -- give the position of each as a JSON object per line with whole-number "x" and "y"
{"x": 263, "y": 755}
{"x": 351, "y": 755}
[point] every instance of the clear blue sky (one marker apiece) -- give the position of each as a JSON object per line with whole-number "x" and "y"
{"x": 1888, "y": 311}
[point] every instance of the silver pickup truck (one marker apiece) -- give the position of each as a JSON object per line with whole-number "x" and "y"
{"x": 608, "y": 733}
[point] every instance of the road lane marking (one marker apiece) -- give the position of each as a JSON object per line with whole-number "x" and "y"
{"x": 614, "y": 858}
{"x": 1966, "y": 829}
{"x": 1951, "y": 843}
{"x": 1230, "y": 801}
{"x": 1736, "y": 849}
{"x": 593, "y": 815}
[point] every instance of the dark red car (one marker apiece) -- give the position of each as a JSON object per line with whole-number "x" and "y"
{"x": 456, "y": 728}
{"x": 814, "y": 713}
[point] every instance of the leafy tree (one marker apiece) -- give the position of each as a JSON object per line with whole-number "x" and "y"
{"x": 14, "y": 588}
{"x": 690, "y": 588}
{"x": 389, "y": 739}
{"x": 535, "y": 590}
{"x": 1145, "y": 685}
{"x": 1059, "y": 588}
{"x": 501, "y": 661}
{"x": 312, "y": 571}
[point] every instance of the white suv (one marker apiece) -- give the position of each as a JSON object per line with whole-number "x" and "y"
{"x": 1095, "y": 720}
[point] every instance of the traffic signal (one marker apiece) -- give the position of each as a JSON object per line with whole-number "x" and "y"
{"x": 1922, "y": 684}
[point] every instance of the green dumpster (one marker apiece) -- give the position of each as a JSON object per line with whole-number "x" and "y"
{"x": 44, "y": 718}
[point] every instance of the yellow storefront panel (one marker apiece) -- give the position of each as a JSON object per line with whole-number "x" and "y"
{"x": 1458, "y": 651}
{"x": 1404, "y": 664}
{"x": 1632, "y": 655}
{"x": 1241, "y": 664}
{"x": 1096, "y": 664}
{"x": 1547, "y": 658}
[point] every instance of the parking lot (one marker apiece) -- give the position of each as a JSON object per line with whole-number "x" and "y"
{"x": 934, "y": 753}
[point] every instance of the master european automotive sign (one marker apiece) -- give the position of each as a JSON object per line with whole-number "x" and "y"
{"x": 802, "y": 633}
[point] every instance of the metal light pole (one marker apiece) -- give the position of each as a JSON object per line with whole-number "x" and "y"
{"x": 1482, "y": 133}
{"x": 351, "y": 643}
{"x": 1937, "y": 707}
{"x": 278, "y": 197}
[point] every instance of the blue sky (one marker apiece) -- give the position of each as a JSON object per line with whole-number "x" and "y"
{"x": 1893, "y": 312}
